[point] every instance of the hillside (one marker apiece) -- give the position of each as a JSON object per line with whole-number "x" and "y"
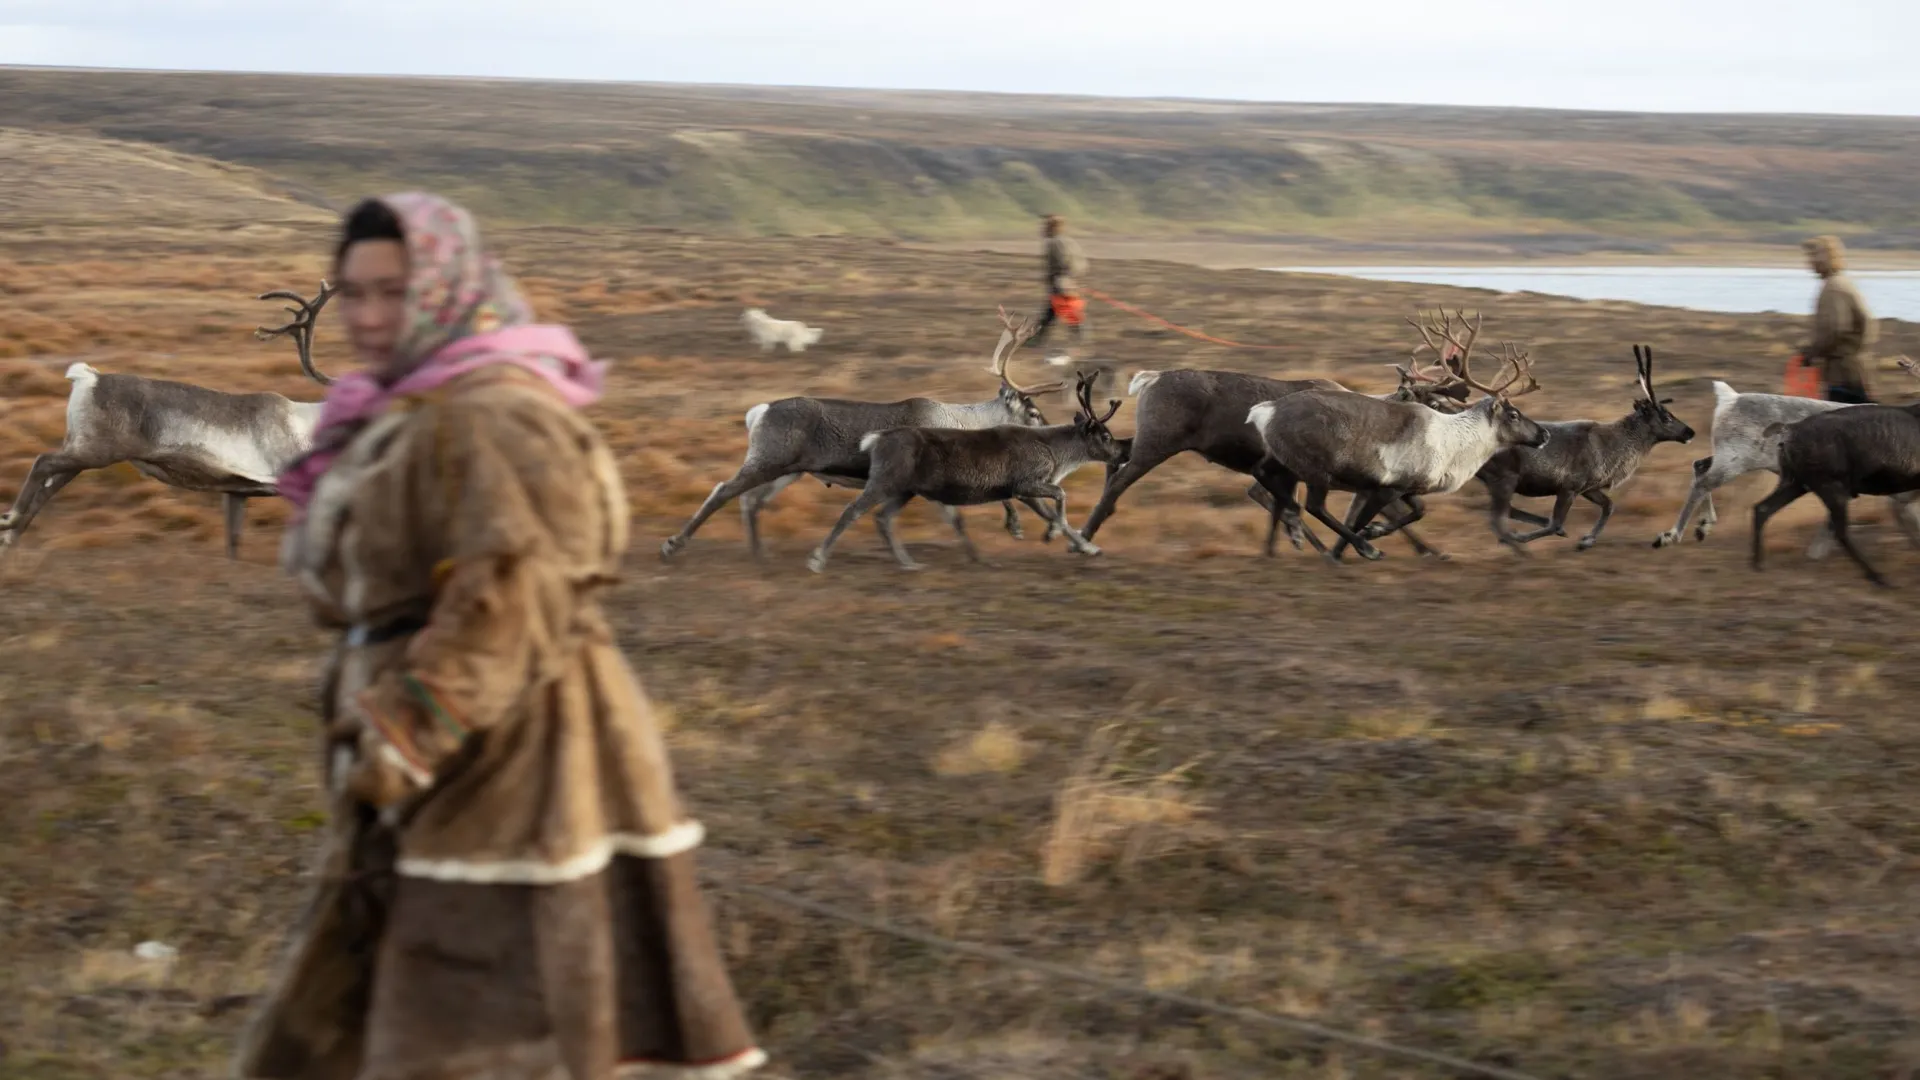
{"x": 927, "y": 166}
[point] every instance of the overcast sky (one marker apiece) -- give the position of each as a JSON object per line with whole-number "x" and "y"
{"x": 1671, "y": 55}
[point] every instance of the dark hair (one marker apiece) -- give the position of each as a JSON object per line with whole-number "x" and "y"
{"x": 371, "y": 220}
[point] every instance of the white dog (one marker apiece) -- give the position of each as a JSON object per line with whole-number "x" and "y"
{"x": 767, "y": 331}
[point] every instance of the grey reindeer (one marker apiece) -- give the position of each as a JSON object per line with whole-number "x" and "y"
{"x": 1746, "y": 439}
{"x": 967, "y": 467}
{"x": 1583, "y": 458}
{"x": 1840, "y": 455}
{"x": 185, "y": 436}
{"x": 1384, "y": 451}
{"x": 820, "y": 437}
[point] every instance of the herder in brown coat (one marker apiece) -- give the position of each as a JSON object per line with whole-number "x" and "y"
{"x": 505, "y": 886}
{"x": 1843, "y": 328}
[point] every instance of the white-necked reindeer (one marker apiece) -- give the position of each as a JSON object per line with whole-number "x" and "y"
{"x": 185, "y": 436}
{"x": 1386, "y": 451}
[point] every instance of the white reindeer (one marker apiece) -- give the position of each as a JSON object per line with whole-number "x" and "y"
{"x": 185, "y": 436}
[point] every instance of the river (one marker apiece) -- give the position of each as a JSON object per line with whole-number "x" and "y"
{"x": 1891, "y": 294}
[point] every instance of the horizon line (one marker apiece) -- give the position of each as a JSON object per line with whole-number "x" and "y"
{"x": 1120, "y": 100}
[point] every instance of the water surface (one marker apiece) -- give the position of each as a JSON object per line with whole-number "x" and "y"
{"x": 1890, "y": 294}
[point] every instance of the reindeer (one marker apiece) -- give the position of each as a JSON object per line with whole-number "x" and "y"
{"x": 1205, "y": 412}
{"x": 1385, "y": 450}
{"x": 958, "y": 467}
{"x": 799, "y": 436}
{"x": 1840, "y": 455}
{"x": 1583, "y": 458}
{"x": 185, "y": 436}
{"x": 1741, "y": 445}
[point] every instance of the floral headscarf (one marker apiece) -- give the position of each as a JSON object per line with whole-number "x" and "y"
{"x": 455, "y": 289}
{"x": 463, "y": 312}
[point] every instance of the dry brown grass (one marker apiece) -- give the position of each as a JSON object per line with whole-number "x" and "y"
{"x": 1623, "y": 813}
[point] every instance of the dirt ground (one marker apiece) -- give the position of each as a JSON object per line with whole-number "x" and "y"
{"x": 1622, "y": 813}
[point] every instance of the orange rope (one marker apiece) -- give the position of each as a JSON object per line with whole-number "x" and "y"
{"x": 1151, "y": 317}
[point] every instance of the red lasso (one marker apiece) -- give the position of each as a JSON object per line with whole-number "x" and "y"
{"x": 1151, "y": 317}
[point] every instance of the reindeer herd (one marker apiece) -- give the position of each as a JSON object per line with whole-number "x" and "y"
{"x": 1389, "y": 451}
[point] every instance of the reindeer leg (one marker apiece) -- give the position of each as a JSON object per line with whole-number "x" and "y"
{"x": 1500, "y": 511}
{"x": 1562, "y": 504}
{"x": 1370, "y": 507}
{"x": 1317, "y": 506}
{"x": 1907, "y": 516}
{"x": 1012, "y": 522}
{"x": 952, "y": 514}
{"x": 1264, "y": 495}
{"x": 756, "y": 500}
{"x": 1525, "y": 517}
{"x": 48, "y": 474}
{"x": 1605, "y": 502}
{"x": 1033, "y": 495}
{"x": 1783, "y": 493}
{"x": 1837, "y": 499}
{"x": 1415, "y": 508}
{"x": 235, "y": 507}
{"x": 750, "y": 476}
{"x": 863, "y": 502}
{"x": 1397, "y": 515}
{"x": 883, "y": 522}
{"x": 1273, "y": 488}
{"x": 1705, "y": 479}
{"x": 1118, "y": 481}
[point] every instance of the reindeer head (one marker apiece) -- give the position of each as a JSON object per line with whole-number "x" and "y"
{"x": 1019, "y": 399}
{"x": 1651, "y": 410}
{"x": 1454, "y": 347}
{"x": 1101, "y": 445}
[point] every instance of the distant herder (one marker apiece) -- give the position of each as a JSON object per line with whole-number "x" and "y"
{"x": 1843, "y": 329}
{"x": 1065, "y": 265}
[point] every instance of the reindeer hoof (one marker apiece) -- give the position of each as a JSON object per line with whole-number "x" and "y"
{"x": 1086, "y": 549}
{"x": 1702, "y": 533}
{"x": 1663, "y": 540}
{"x": 1585, "y": 543}
{"x": 673, "y": 546}
{"x": 1374, "y": 531}
{"x": 1438, "y": 556}
{"x": 911, "y": 566}
{"x": 817, "y": 562}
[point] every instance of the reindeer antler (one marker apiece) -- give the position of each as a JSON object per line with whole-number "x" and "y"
{"x": 1456, "y": 356}
{"x": 300, "y": 328}
{"x": 1908, "y": 365}
{"x": 1083, "y": 394}
{"x": 1012, "y": 333}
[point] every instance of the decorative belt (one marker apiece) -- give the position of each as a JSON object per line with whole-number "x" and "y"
{"x": 361, "y": 634}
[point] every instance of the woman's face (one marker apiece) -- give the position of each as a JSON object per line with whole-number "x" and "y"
{"x": 373, "y": 301}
